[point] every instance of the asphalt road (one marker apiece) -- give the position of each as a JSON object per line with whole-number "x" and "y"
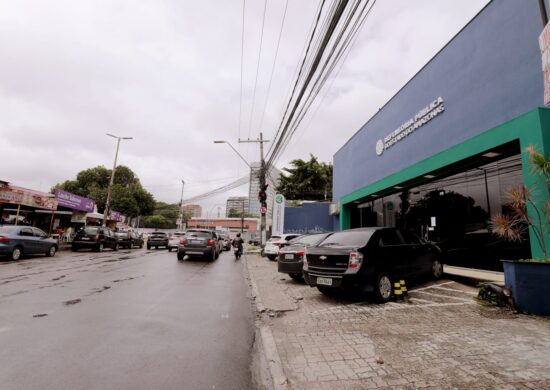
{"x": 134, "y": 319}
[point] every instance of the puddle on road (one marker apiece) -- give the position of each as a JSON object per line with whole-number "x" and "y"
{"x": 39, "y": 315}
{"x": 123, "y": 280}
{"x": 99, "y": 290}
{"x": 72, "y": 302}
{"x": 59, "y": 278}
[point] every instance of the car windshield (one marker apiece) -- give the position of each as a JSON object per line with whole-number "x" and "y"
{"x": 356, "y": 239}
{"x": 274, "y": 238}
{"x": 91, "y": 230}
{"x": 310, "y": 239}
{"x": 159, "y": 234}
{"x": 9, "y": 229}
{"x": 199, "y": 234}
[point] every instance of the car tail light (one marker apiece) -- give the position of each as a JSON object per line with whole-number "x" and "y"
{"x": 277, "y": 243}
{"x": 4, "y": 240}
{"x": 97, "y": 237}
{"x": 355, "y": 261}
{"x": 299, "y": 254}
{"x": 183, "y": 241}
{"x": 210, "y": 242}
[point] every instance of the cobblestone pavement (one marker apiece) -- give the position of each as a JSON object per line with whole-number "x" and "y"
{"x": 442, "y": 338}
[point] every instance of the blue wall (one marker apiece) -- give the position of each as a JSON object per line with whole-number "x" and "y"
{"x": 308, "y": 218}
{"x": 488, "y": 74}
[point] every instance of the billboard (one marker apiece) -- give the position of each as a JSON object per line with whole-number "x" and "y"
{"x": 25, "y": 197}
{"x": 75, "y": 202}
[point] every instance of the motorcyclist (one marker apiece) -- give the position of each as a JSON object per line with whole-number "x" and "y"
{"x": 238, "y": 243}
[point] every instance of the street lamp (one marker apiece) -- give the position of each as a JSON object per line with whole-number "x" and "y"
{"x": 235, "y": 150}
{"x": 180, "y": 225}
{"x": 109, "y": 189}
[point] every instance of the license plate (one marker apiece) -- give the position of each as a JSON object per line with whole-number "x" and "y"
{"x": 289, "y": 256}
{"x": 194, "y": 253}
{"x": 85, "y": 239}
{"x": 324, "y": 281}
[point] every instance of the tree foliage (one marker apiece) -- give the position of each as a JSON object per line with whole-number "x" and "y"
{"x": 307, "y": 180}
{"x": 165, "y": 216}
{"x": 128, "y": 195}
{"x": 235, "y": 213}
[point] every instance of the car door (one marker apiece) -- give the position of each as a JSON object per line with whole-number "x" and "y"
{"x": 42, "y": 244}
{"x": 416, "y": 253}
{"x": 28, "y": 240}
{"x": 392, "y": 254}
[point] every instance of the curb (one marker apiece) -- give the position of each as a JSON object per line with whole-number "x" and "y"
{"x": 270, "y": 359}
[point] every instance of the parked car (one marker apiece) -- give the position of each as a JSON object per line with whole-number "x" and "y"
{"x": 272, "y": 245}
{"x": 124, "y": 239}
{"x": 16, "y": 241}
{"x": 174, "y": 240}
{"x": 290, "y": 257}
{"x": 137, "y": 239}
{"x": 96, "y": 238}
{"x": 226, "y": 242}
{"x": 157, "y": 239}
{"x": 199, "y": 242}
{"x": 369, "y": 260}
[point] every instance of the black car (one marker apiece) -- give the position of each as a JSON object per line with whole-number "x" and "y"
{"x": 96, "y": 238}
{"x": 370, "y": 260}
{"x": 157, "y": 239}
{"x": 290, "y": 258}
{"x": 137, "y": 239}
{"x": 199, "y": 242}
{"x": 124, "y": 239}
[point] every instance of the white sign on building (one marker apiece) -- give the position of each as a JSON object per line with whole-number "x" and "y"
{"x": 278, "y": 214}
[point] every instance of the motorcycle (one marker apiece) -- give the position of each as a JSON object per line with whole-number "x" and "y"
{"x": 238, "y": 252}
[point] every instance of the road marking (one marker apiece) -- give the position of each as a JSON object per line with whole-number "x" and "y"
{"x": 455, "y": 290}
{"x": 441, "y": 295}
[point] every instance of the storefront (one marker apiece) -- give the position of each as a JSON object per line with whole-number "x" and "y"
{"x": 439, "y": 156}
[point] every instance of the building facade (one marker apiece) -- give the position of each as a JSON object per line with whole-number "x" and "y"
{"x": 236, "y": 203}
{"x": 438, "y": 157}
{"x": 194, "y": 210}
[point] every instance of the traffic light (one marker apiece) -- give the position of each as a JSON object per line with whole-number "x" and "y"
{"x": 262, "y": 195}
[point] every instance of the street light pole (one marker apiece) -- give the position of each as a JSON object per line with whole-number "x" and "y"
{"x": 110, "y": 188}
{"x": 180, "y": 225}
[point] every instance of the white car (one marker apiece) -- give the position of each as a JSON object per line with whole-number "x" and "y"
{"x": 273, "y": 245}
{"x": 174, "y": 240}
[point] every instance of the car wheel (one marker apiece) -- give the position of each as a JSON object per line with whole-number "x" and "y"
{"x": 51, "y": 251}
{"x": 217, "y": 255}
{"x": 116, "y": 247}
{"x": 295, "y": 276}
{"x": 213, "y": 256}
{"x": 16, "y": 253}
{"x": 383, "y": 288}
{"x": 141, "y": 245}
{"x": 437, "y": 269}
{"x": 271, "y": 257}
{"x": 100, "y": 247}
{"x": 74, "y": 248}
{"x": 181, "y": 255}
{"x": 169, "y": 249}
{"x": 148, "y": 247}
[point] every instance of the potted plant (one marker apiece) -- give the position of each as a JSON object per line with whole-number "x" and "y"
{"x": 528, "y": 279}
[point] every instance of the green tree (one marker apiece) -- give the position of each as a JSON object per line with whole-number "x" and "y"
{"x": 158, "y": 222}
{"x": 233, "y": 213}
{"x": 165, "y": 216}
{"x": 307, "y": 180}
{"x": 128, "y": 195}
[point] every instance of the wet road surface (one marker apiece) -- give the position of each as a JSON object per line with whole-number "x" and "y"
{"x": 134, "y": 319}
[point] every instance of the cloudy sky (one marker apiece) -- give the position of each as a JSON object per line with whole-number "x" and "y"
{"x": 167, "y": 72}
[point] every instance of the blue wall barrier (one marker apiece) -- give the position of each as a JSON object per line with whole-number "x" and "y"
{"x": 309, "y": 218}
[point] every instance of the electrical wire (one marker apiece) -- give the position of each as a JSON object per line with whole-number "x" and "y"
{"x": 242, "y": 56}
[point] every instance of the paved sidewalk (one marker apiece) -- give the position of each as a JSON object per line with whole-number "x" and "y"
{"x": 443, "y": 338}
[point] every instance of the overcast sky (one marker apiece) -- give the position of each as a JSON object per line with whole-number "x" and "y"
{"x": 167, "y": 72}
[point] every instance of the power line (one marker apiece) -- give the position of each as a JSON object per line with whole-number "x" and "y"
{"x": 257, "y": 70}
{"x": 242, "y": 55}
{"x": 237, "y": 183}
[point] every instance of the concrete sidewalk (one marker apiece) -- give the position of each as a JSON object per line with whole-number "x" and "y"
{"x": 443, "y": 338}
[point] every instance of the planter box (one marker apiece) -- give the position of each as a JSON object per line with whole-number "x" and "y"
{"x": 529, "y": 283}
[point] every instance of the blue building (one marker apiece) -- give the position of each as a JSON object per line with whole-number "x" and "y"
{"x": 439, "y": 155}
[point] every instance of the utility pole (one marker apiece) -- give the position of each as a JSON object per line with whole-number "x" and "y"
{"x": 242, "y": 217}
{"x": 107, "y": 210}
{"x": 262, "y": 195}
{"x": 180, "y": 225}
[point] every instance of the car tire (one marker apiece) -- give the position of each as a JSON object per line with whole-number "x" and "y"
{"x": 141, "y": 245}
{"x": 116, "y": 247}
{"x": 99, "y": 248}
{"x": 213, "y": 256}
{"x": 383, "y": 287}
{"x": 437, "y": 269}
{"x": 181, "y": 256}
{"x": 51, "y": 252}
{"x": 169, "y": 249}
{"x": 271, "y": 257}
{"x": 74, "y": 248}
{"x": 148, "y": 247}
{"x": 16, "y": 253}
{"x": 297, "y": 277}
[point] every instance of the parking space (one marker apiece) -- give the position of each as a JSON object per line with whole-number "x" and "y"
{"x": 442, "y": 337}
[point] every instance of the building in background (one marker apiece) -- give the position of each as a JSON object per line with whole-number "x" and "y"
{"x": 237, "y": 203}
{"x": 194, "y": 210}
{"x": 272, "y": 179}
